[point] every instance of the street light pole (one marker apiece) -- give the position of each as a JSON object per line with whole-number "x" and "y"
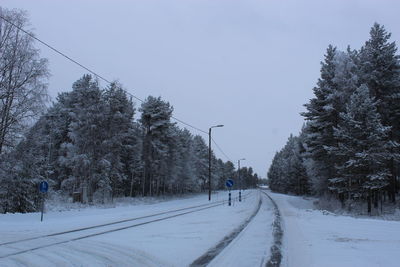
{"x": 240, "y": 182}
{"x": 209, "y": 160}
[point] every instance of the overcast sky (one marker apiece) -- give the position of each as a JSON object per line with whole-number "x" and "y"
{"x": 250, "y": 65}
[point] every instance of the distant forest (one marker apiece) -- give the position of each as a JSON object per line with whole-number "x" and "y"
{"x": 92, "y": 142}
{"x": 349, "y": 146}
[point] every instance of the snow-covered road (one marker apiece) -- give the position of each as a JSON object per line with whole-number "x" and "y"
{"x": 252, "y": 245}
{"x": 177, "y": 241}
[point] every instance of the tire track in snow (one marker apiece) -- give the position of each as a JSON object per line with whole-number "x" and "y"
{"x": 107, "y": 224}
{"x": 276, "y": 248}
{"x": 206, "y": 258}
{"x": 191, "y": 210}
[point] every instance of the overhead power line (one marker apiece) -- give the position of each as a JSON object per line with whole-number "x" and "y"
{"x": 220, "y": 149}
{"x": 102, "y": 78}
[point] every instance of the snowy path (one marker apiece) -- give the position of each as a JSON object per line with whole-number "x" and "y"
{"x": 173, "y": 242}
{"x": 252, "y": 245}
{"x": 316, "y": 238}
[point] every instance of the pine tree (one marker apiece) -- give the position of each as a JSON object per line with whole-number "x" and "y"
{"x": 119, "y": 112}
{"x": 363, "y": 146}
{"x": 84, "y": 152}
{"x": 201, "y": 161}
{"x": 287, "y": 173}
{"x": 155, "y": 119}
{"x": 380, "y": 71}
{"x": 275, "y": 173}
{"x": 338, "y": 80}
{"x": 322, "y": 118}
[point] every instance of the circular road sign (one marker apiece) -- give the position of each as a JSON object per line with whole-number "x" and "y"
{"x": 229, "y": 183}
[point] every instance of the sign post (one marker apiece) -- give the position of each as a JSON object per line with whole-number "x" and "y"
{"x": 229, "y": 184}
{"x": 43, "y": 188}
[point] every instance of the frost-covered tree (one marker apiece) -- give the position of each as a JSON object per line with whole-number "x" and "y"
{"x": 380, "y": 71}
{"x": 156, "y": 121}
{"x": 227, "y": 171}
{"x": 83, "y": 152}
{"x": 275, "y": 173}
{"x": 287, "y": 173}
{"x": 322, "y": 117}
{"x": 201, "y": 161}
{"x": 117, "y": 140}
{"x": 337, "y": 82}
{"x": 88, "y": 143}
{"x": 364, "y": 147}
{"x": 23, "y": 75}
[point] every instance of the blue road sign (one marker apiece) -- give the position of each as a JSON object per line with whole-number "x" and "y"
{"x": 229, "y": 183}
{"x": 43, "y": 187}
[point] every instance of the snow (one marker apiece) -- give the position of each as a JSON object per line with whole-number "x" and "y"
{"x": 174, "y": 242}
{"x": 252, "y": 246}
{"x": 318, "y": 238}
{"x": 311, "y": 237}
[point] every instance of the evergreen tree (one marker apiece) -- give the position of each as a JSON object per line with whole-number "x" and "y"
{"x": 338, "y": 80}
{"x": 84, "y": 151}
{"x": 201, "y": 161}
{"x": 155, "y": 119}
{"x": 287, "y": 173}
{"x": 364, "y": 147}
{"x": 119, "y": 112}
{"x": 322, "y": 118}
{"x": 380, "y": 71}
{"x": 275, "y": 173}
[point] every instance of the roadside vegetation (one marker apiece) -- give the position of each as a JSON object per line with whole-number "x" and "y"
{"x": 348, "y": 148}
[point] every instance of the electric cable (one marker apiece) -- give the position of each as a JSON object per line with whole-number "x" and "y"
{"x": 102, "y": 78}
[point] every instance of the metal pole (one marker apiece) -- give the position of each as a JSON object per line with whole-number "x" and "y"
{"x": 209, "y": 160}
{"x": 41, "y": 216}
{"x": 209, "y": 164}
{"x": 240, "y": 183}
{"x": 130, "y": 194}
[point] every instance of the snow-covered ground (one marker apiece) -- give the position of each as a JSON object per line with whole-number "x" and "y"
{"x": 318, "y": 238}
{"x": 311, "y": 237}
{"x": 252, "y": 245}
{"x": 174, "y": 242}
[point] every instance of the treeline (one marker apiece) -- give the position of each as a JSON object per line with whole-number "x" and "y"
{"x": 88, "y": 143}
{"x": 93, "y": 143}
{"x": 349, "y": 145}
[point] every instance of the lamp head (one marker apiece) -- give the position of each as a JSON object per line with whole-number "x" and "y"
{"x": 220, "y": 125}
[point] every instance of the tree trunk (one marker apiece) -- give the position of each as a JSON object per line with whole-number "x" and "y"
{"x": 375, "y": 199}
{"x": 369, "y": 202}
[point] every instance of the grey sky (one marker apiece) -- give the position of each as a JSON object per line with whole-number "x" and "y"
{"x": 249, "y": 65}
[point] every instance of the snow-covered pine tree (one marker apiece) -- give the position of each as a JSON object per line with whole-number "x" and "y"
{"x": 276, "y": 173}
{"x": 380, "y": 71}
{"x": 201, "y": 161}
{"x": 132, "y": 159}
{"x": 118, "y": 128}
{"x": 364, "y": 148}
{"x": 287, "y": 173}
{"x": 187, "y": 173}
{"x": 227, "y": 172}
{"x": 179, "y": 177}
{"x": 84, "y": 155}
{"x": 338, "y": 80}
{"x": 322, "y": 118}
{"x": 155, "y": 119}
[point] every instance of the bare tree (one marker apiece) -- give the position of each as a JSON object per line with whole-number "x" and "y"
{"x": 23, "y": 76}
